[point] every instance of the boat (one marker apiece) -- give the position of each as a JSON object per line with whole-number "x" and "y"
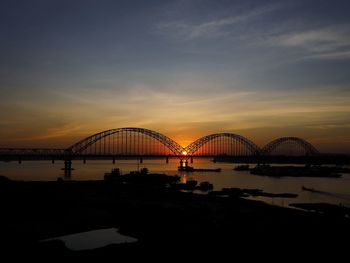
{"x": 185, "y": 169}
{"x": 244, "y": 167}
{"x": 207, "y": 170}
{"x": 192, "y": 169}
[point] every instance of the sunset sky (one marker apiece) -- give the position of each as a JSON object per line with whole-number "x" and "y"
{"x": 185, "y": 68}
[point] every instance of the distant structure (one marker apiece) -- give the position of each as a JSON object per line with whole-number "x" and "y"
{"x": 219, "y": 144}
{"x": 127, "y": 142}
{"x": 289, "y": 146}
{"x": 142, "y": 143}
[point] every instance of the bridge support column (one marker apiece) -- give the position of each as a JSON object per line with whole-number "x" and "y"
{"x": 191, "y": 159}
{"x": 141, "y": 160}
{"x": 67, "y": 165}
{"x": 184, "y": 163}
{"x": 53, "y": 161}
{"x": 67, "y": 169}
{"x": 167, "y": 160}
{"x": 113, "y": 160}
{"x": 84, "y": 161}
{"x": 181, "y": 163}
{"x": 19, "y": 160}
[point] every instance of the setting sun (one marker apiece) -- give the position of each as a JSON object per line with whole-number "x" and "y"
{"x": 184, "y": 153}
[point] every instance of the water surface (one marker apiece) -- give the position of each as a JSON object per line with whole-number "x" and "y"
{"x": 333, "y": 190}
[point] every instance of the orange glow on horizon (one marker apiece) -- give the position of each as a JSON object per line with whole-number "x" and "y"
{"x": 184, "y": 139}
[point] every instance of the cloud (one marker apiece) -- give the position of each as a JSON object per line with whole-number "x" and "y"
{"x": 215, "y": 28}
{"x": 323, "y": 43}
{"x": 330, "y": 55}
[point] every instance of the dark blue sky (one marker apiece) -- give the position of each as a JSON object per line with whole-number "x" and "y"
{"x": 186, "y": 68}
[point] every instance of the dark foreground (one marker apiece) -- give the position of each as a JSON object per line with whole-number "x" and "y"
{"x": 164, "y": 220}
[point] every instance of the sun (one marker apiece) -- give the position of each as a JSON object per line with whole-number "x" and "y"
{"x": 184, "y": 153}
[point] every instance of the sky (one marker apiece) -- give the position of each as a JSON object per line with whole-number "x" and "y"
{"x": 185, "y": 68}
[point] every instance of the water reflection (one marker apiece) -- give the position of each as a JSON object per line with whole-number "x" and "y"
{"x": 183, "y": 176}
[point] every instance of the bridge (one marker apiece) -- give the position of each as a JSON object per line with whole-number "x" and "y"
{"x": 144, "y": 143}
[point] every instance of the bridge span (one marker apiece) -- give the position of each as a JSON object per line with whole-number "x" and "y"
{"x": 140, "y": 143}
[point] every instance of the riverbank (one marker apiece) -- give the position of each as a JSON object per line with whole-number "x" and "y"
{"x": 163, "y": 219}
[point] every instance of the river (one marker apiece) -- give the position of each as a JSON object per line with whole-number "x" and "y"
{"x": 332, "y": 190}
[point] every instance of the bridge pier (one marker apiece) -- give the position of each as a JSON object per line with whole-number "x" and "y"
{"x": 184, "y": 163}
{"x": 84, "y": 161}
{"x": 191, "y": 159}
{"x": 67, "y": 165}
{"x": 141, "y": 160}
{"x": 113, "y": 160}
{"x": 167, "y": 159}
{"x": 53, "y": 161}
{"x": 19, "y": 160}
{"x": 67, "y": 169}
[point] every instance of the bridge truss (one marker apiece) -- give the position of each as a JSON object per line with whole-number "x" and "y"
{"x": 220, "y": 144}
{"x": 139, "y": 142}
{"x": 127, "y": 142}
{"x": 289, "y": 146}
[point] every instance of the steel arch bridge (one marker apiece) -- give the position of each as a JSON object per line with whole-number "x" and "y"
{"x": 133, "y": 142}
{"x": 276, "y": 146}
{"x": 127, "y": 142}
{"x": 220, "y": 144}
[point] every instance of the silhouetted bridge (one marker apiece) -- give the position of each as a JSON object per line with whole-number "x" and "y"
{"x": 143, "y": 143}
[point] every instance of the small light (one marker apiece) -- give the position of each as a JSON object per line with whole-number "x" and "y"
{"x": 184, "y": 153}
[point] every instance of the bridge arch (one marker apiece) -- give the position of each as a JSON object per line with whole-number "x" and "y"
{"x": 127, "y": 141}
{"x": 229, "y": 144}
{"x": 300, "y": 144}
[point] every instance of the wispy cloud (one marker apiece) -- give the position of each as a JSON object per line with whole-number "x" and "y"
{"x": 323, "y": 43}
{"x": 222, "y": 26}
{"x": 54, "y": 132}
{"x": 330, "y": 55}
